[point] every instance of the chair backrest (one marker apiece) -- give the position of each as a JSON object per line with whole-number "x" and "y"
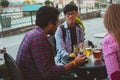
{"x": 13, "y": 69}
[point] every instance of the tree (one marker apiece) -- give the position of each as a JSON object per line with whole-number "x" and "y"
{"x": 72, "y": 2}
{"x": 26, "y": 2}
{"x": 29, "y": 1}
{"x": 4, "y": 3}
{"x": 49, "y": 3}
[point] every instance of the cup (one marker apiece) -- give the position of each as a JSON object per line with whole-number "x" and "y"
{"x": 88, "y": 51}
{"x": 97, "y": 54}
{"x": 98, "y": 48}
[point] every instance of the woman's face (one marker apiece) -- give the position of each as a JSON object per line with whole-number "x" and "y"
{"x": 71, "y": 17}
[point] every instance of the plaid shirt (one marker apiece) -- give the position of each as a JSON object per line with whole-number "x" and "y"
{"x": 35, "y": 57}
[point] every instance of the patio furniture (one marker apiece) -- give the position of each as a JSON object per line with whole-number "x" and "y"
{"x": 13, "y": 69}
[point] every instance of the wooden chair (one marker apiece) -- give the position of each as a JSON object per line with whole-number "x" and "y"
{"x": 13, "y": 69}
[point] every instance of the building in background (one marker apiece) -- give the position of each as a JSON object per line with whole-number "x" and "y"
{"x": 16, "y": 0}
{"x": 88, "y": 3}
{"x": 62, "y": 3}
{"x": 79, "y": 3}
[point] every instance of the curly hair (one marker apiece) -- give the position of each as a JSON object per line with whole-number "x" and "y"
{"x": 46, "y": 14}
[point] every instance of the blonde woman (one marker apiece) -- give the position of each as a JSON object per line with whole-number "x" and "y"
{"x": 111, "y": 42}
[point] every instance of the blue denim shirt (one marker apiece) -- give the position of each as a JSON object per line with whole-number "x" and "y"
{"x": 64, "y": 46}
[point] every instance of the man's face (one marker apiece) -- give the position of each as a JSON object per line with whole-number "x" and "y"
{"x": 71, "y": 17}
{"x": 53, "y": 28}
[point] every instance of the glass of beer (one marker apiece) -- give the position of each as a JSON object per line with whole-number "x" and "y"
{"x": 88, "y": 51}
{"x": 97, "y": 54}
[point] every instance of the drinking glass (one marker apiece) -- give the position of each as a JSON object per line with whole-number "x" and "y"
{"x": 88, "y": 51}
{"x": 76, "y": 48}
{"x": 97, "y": 53}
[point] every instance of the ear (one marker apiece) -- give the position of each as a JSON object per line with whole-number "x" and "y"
{"x": 50, "y": 23}
{"x": 78, "y": 14}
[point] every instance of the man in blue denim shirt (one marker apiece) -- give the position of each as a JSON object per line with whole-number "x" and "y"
{"x": 74, "y": 33}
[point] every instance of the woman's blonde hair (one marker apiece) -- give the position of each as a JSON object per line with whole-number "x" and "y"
{"x": 112, "y": 21}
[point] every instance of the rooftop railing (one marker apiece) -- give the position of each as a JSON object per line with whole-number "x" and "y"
{"x": 14, "y": 20}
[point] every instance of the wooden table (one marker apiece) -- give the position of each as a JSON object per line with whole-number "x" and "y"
{"x": 92, "y": 69}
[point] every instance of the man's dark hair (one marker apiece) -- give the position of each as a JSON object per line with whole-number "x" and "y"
{"x": 70, "y": 7}
{"x": 46, "y": 14}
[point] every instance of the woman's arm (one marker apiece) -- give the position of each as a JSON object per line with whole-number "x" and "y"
{"x": 110, "y": 51}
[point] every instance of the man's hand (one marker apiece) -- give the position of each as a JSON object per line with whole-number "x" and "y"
{"x": 3, "y": 50}
{"x": 80, "y": 59}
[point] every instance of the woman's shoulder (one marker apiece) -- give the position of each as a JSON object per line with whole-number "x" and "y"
{"x": 108, "y": 38}
{"x": 109, "y": 43}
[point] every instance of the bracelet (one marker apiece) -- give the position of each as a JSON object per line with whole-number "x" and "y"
{"x": 74, "y": 63}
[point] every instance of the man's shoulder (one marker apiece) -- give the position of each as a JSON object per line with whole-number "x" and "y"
{"x": 34, "y": 33}
{"x": 64, "y": 25}
{"x": 61, "y": 26}
{"x": 78, "y": 25}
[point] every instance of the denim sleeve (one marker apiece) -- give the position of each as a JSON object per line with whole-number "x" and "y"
{"x": 60, "y": 45}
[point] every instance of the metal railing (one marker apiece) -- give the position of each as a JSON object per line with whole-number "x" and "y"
{"x": 14, "y": 20}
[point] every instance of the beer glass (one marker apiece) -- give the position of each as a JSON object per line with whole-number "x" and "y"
{"x": 88, "y": 51}
{"x": 76, "y": 48}
{"x": 97, "y": 54}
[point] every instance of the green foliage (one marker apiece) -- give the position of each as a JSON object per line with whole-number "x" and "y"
{"x": 33, "y": 1}
{"x": 4, "y": 3}
{"x": 97, "y": 5}
{"x": 72, "y": 2}
{"x": 26, "y": 2}
{"x": 40, "y": 3}
{"x": 49, "y": 3}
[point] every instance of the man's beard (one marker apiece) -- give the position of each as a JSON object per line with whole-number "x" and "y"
{"x": 52, "y": 32}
